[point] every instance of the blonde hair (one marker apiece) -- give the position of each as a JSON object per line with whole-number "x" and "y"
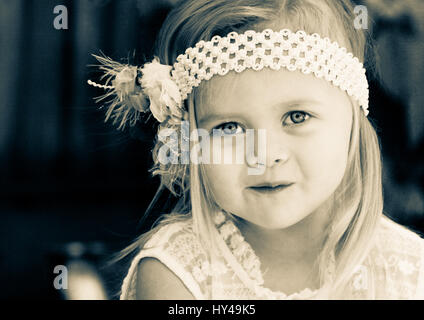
{"x": 357, "y": 202}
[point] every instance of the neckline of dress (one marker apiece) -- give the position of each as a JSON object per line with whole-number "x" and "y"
{"x": 250, "y": 263}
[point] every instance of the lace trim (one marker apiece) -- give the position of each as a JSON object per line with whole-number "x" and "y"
{"x": 248, "y": 260}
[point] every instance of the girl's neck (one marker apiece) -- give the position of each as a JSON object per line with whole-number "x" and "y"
{"x": 300, "y": 243}
{"x": 289, "y": 256}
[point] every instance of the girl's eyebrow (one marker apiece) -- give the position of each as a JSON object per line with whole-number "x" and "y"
{"x": 212, "y": 117}
{"x": 299, "y": 102}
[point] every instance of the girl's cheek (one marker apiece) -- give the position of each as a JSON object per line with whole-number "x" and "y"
{"x": 326, "y": 153}
{"x": 229, "y": 150}
{"x": 220, "y": 180}
{"x": 226, "y": 163}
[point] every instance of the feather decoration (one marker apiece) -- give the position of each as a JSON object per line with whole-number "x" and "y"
{"x": 136, "y": 90}
{"x": 128, "y": 100}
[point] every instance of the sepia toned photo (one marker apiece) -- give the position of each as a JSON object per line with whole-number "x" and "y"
{"x": 212, "y": 150}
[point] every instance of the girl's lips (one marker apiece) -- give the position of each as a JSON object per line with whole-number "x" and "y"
{"x": 267, "y": 189}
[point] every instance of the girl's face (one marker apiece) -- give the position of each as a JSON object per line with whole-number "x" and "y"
{"x": 307, "y": 123}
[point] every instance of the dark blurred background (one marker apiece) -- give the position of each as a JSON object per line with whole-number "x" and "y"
{"x": 72, "y": 188}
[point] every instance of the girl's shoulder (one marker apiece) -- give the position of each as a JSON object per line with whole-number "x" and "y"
{"x": 394, "y": 237}
{"x": 176, "y": 246}
{"x": 398, "y": 261}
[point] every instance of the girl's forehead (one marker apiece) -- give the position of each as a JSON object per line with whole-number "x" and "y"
{"x": 266, "y": 88}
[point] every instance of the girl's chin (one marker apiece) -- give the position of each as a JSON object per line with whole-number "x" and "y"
{"x": 273, "y": 220}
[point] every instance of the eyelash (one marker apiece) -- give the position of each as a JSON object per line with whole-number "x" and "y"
{"x": 291, "y": 113}
{"x": 287, "y": 116}
{"x": 221, "y": 126}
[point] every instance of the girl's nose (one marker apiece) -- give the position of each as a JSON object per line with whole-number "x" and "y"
{"x": 269, "y": 151}
{"x": 277, "y": 151}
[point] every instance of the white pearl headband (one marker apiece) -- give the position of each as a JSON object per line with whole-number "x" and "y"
{"x": 163, "y": 88}
{"x": 275, "y": 50}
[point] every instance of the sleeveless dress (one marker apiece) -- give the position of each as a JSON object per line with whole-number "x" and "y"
{"x": 393, "y": 269}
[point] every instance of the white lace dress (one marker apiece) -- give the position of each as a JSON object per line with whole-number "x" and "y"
{"x": 394, "y": 268}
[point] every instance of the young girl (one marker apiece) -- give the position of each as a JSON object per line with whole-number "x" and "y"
{"x": 301, "y": 216}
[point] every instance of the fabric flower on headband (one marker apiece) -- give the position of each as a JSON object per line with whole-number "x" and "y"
{"x": 164, "y": 94}
{"x": 137, "y": 90}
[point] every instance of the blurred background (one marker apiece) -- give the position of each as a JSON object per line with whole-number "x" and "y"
{"x": 72, "y": 188}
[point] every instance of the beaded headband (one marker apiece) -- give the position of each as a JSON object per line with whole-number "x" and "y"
{"x": 162, "y": 88}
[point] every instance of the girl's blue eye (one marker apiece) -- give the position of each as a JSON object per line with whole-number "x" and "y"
{"x": 297, "y": 117}
{"x": 229, "y": 128}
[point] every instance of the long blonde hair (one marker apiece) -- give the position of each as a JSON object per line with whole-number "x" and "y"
{"x": 358, "y": 201}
